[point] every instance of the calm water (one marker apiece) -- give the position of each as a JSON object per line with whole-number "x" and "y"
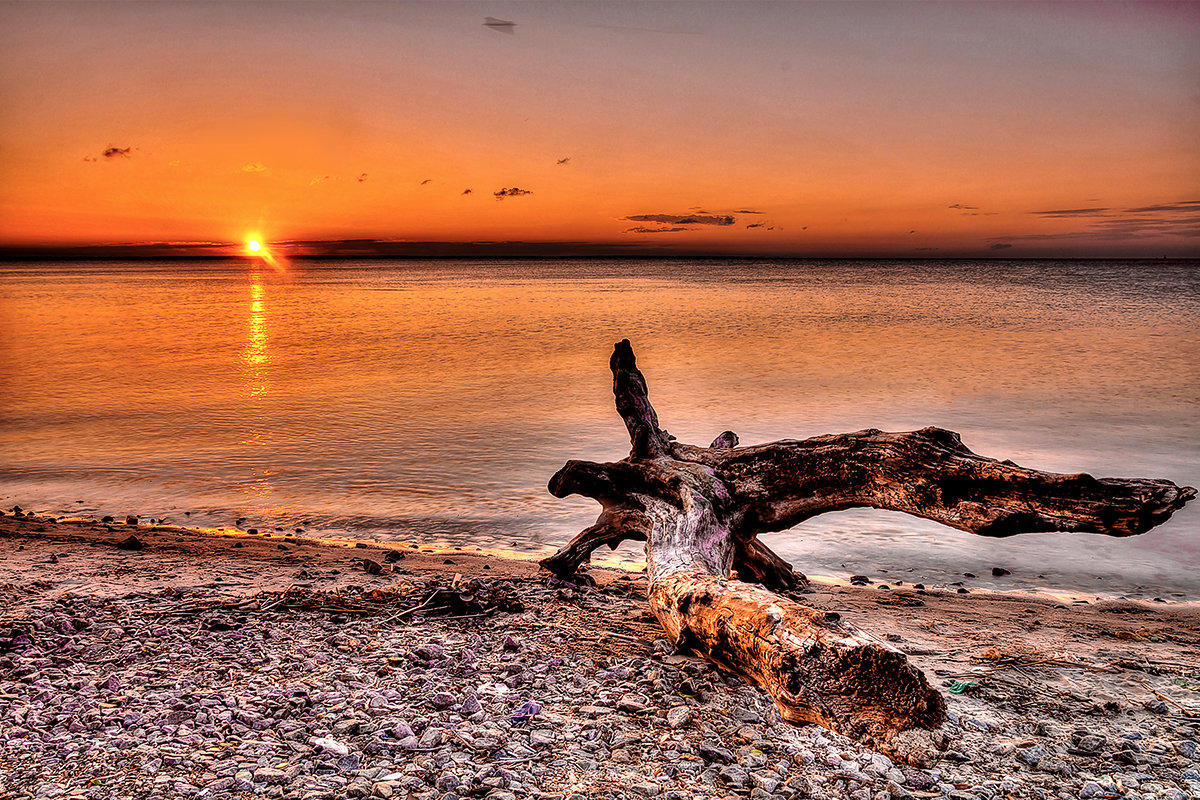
{"x": 430, "y": 402}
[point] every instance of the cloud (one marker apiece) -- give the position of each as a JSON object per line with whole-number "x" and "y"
{"x": 1000, "y": 246}
{"x": 757, "y": 225}
{"x": 644, "y": 229}
{"x": 1181, "y": 207}
{"x": 362, "y": 176}
{"x": 90, "y": 158}
{"x": 1141, "y": 227}
{"x": 501, "y": 25}
{"x": 253, "y": 166}
{"x": 467, "y": 191}
{"x": 748, "y": 211}
{"x": 1181, "y": 218}
{"x": 962, "y": 207}
{"x": 427, "y": 180}
{"x": 118, "y": 152}
{"x": 513, "y": 192}
{"x": 315, "y": 181}
{"x": 562, "y": 161}
{"x": 1073, "y": 212}
{"x": 1186, "y": 207}
{"x": 690, "y": 219}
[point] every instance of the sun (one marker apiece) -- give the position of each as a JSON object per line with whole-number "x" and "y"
{"x": 257, "y": 248}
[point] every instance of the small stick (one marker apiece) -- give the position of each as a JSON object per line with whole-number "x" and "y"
{"x": 408, "y": 611}
{"x": 1187, "y": 712}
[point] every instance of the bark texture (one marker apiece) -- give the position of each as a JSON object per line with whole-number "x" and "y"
{"x": 700, "y": 511}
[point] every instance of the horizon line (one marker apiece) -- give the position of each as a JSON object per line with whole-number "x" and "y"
{"x": 365, "y": 248}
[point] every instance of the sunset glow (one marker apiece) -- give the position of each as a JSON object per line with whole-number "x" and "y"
{"x": 253, "y": 246}
{"x": 909, "y": 129}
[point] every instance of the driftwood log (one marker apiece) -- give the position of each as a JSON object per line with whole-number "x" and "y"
{"x": 713, "y": 584}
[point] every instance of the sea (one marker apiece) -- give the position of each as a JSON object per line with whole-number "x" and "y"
{"x": 428, "y": 402}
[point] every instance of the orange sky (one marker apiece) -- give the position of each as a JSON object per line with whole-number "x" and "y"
{"x": 851, "y": 128}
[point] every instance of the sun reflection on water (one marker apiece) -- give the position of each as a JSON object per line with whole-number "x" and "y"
{"x": 255, "y": 355}
{"x": 257, "y": 484}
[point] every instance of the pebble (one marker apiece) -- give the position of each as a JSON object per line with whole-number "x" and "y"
{"x": 319, "y": 706}
{"x": 442, "y": 700}
{"x": 710, "y": 751}
{"x": 269, "y": 776}
{"x": 632, "y": 703}
{"x": 678, "y": 716}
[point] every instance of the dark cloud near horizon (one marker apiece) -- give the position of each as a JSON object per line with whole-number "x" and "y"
{"x": 501, "y": 25}
{"x": 467, "y": 191}
{"x": 1180, "y": 207}
{"x": 962, "y": 207}
{"x": 689, "y": 219}
{"x": 1185, "y": 207}
{"x": 562, "y": 161}
{"x": 118, "y": 152}
{"x": 427, "y": 180}
{"x": 1138, "y": 227}
{"x": 1000, "y": 246}
{"x": 362, "y": 177}
{"x": 1181, "y": 218}
{"x": 748, "y": 211}
{"x": 756, "y": 225}
{"x": 644, "y": 229}
{"x": 513, "y": 192}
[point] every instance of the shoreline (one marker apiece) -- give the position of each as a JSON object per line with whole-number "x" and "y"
{"x": 624, "y": 561}
{"x": 1058, "y": 699}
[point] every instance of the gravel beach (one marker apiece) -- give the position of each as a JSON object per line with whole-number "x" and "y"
{"x": 190, "y": 664}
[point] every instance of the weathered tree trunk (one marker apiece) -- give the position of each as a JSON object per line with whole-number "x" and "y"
{"x": 701, "y": 509}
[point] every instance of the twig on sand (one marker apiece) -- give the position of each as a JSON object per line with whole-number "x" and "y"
{"x": 407, "y": 611}
{"x": 1187, "y": 712}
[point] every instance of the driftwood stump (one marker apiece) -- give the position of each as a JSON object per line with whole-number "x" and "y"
{"x": 700, "y": 511}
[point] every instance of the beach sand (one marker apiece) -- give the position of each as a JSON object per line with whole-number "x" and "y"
{"x": 226, "y": 664}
